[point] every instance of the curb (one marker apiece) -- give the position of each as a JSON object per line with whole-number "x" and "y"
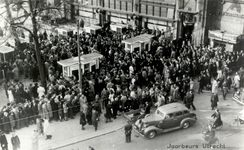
{"x": 238, "y": 101}
{"x": 56, "y": 148}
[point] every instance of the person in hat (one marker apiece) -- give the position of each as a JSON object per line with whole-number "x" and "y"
{"x": 128, "y": 131}
{"x": 3, "y": 141}
{"x": 217, "y": 116}
{"x": 15, "y": 141}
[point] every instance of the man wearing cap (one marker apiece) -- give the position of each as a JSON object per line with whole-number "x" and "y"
{"x": 128, "y": 130}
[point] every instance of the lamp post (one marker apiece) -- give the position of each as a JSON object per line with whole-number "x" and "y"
{"x": 78, "y": 48}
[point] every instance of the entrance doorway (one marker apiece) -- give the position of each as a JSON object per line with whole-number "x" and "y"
{"x": 187, "y": 32}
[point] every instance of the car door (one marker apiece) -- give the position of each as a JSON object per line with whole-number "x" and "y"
{"x": 177, "y": 118}
{"x": 167, "y": 122}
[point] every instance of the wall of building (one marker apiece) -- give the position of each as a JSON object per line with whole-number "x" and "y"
{"x": 197, "y": 7}
{"x": 228, "y": 17}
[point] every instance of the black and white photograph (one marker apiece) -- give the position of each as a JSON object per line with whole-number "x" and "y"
{"x": 121, "y": 74}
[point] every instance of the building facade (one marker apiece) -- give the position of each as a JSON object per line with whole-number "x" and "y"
{"x": 177, "y": 18}
{"x": 226, "y": 24}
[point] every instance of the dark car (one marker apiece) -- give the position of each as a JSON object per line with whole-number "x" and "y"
{"x": 166, "y": 118}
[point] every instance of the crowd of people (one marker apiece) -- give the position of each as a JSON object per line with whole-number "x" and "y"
{"x": 160, "y": 74}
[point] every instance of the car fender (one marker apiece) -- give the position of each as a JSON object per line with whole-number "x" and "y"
{"x": 150, "y": 128}
{"x": 190, "y": 120}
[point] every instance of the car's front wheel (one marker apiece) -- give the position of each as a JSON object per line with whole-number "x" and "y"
{"x": 151, "y": 134}
{"x": 186, "y": 125}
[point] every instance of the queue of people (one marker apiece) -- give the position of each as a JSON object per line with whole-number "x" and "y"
{"x": 161, "y": 74}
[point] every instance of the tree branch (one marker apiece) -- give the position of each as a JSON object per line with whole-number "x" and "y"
{"x": 22, "y": 27}
{"x": 25, "y": 15}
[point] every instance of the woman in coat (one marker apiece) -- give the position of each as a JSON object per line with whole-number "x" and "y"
{"x": 15, "y": 141}
{"x": 82, "y": 120}
{"x": 49, "y": 110}
{"x": 5, "y": 122}
{"x": 16, "y": 116}
{"x": 12, "y": 121}
{"x": 95, "y": 119}
{"x": 44, "y": 110}
{"x": 108, "y": 114}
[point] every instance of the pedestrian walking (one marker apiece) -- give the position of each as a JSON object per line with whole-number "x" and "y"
{"x": 191, "y": 100}
{"x": 128, "y": 130}
{"x": 34, "y": 138}
{"x": 82, "y": 120}
{"x": 15, "y": 141}
{"x": 45, "y": 128}
{"x": 3, "y": 141}
{"x": 225, "y": 89}
{"x": 95, "y": 118}
{"x": 39, "y": 126}
{"x": 214, "y": 101}
{"x": 108, "y": 114}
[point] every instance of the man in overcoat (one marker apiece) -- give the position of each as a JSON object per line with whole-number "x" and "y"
{"x": 15, "y": 141}
{"x": 95, "y": 118}
{"x": 128, "y": 130}
{"x": 3, "y": 141}
{"x": 214, "y": 100}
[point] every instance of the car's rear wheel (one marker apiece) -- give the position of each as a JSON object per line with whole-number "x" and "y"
{"x": 151, "y": 134}
{"x": 186, "y": 125}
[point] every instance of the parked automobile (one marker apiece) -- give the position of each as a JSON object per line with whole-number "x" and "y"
{"x": 166, "y": 118}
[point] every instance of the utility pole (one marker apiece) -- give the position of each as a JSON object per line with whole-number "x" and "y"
{"x": 78, "y": 47}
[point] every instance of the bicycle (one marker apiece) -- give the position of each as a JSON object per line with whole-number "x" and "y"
{"x": 205, "y": 129}
{"x": 237, "y": 122}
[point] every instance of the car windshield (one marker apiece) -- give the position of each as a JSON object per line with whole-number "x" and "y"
{"x": 160, "y": 113}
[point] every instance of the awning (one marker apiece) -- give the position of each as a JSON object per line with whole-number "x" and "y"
{"x": 224, "y": 36}
{"x": 6, "y": 49}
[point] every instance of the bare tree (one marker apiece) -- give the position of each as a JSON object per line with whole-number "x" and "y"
{"x": 36, "y": 7}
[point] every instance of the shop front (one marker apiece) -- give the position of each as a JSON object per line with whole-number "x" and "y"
{"x": 230, "y": 42}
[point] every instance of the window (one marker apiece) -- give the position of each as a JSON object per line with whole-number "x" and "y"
{"x": 143, "y": 9}
{"x": 118, "y": 5}
{"x": 129, "y": 6}
{"x": 160, "y": 113}
{"x": 119, "y": 30}
{"x": 112, "y": 4}
{"x": 177, "y": 114}
{"x": 186, "y": 112}
{"x": 163, "y": 12}
{"x": 129, "y": 46}
{"x": 169, "y": 116}
{"x": 123, "y": 6}
{"x": 156, "y": 11}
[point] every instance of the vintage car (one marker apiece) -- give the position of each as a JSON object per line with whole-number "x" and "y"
{"x": 166, "y": 118}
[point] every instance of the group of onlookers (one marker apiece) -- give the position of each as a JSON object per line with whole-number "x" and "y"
{"x": 160, "y": 74}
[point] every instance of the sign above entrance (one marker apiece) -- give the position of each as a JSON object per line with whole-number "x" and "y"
{"x": 225, "y": 37}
